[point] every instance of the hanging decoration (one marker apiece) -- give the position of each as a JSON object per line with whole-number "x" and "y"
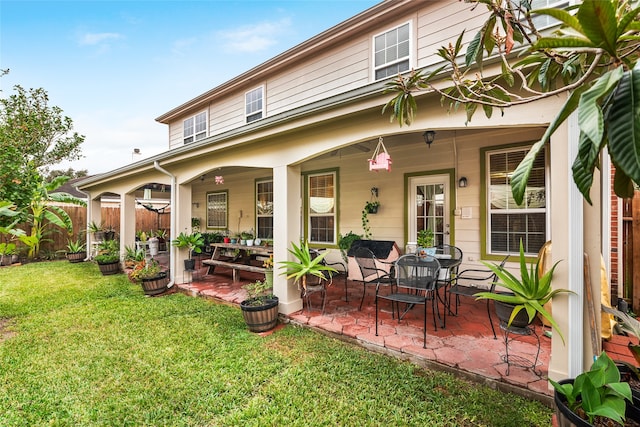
{"x": 381, "y": 158}
{"x": 219, "y": 180}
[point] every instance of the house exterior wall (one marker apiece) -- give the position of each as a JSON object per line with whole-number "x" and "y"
{"x": 345, "y": 66}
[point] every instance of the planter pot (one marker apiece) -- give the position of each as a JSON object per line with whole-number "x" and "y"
{"x": 110, "y": 268}
{"x": 8, "y": 259}
{"x": 567, "y": 418}
{"x": 249, "y": 242}
{"x": 155, "y": 285}
{"x": 268, "y": 278}
{"x": 260, "y": 318}
{"x": 234, "y": 241}
{"x": 77, "y": 256}
{"x": 226, "y": 240}
{"x": 243, "y": 241}
{"x": 422, "y": 252}
{"x": 503, "y": 311}
{"x": 109, "y": 235}
{"x": 98, "y": 236}
{"x": 372, "y": 209}
{"x": 190, "y": 264}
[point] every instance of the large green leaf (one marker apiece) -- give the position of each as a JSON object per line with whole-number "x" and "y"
{"x": 590, "y": 116}
{"x": 562, "y": 42}
{"x": 474, "y": 49}
{"x": 561, "y": 15}
{"x": 598, "y": 20}
{"x": 520, "y": 176}
{"x": 623, "y": 125}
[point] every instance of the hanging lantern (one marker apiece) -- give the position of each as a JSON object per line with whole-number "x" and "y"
{"x": 381, "y": 158}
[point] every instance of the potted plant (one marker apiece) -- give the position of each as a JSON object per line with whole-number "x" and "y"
{"x": 97, "y": 230}
{"x": 161, "y": 234}
{"x": 345, "y": 242}
{"x": 247, "y": 237}
{"x": 306, "y": 265}
{"x": 109, "y": 232}
{"x": 151, "y": 276}
{"x": 132, "y": 256}
{"x": 425, "y": 243}
{"x": 268, "y": 274}
{"x": 193, "y": 242}
{"x": 372, "y": 207}
{"x": 597, "y": 393}
{"x": 108, "y": 257}
{"x": 527, "y": 295}
{"x": 8, "y": 253}
{"x": 76, "y": 251}
{"x": 260, "y": 309}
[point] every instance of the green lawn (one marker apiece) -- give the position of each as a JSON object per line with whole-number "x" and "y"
{"x": 79, "y": 349}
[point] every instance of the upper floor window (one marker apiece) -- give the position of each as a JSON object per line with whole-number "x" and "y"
{"x": 195, "y": 128}
{"x": 253, "y": 104}
{"x": 321, "y": 207}
{"x": 392, "y": 52}
{"x": 507, "y": 222}
{"x": 264, "y": 209}
{"x": 217, "y": 208}
{"x": 541, "y": 21}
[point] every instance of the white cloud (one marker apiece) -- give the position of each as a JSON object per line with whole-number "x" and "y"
{"x": 92, "y": 39}
{"x": 254, "y": 38}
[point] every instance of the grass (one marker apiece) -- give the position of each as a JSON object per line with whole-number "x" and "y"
{"x": 81, "y": 349}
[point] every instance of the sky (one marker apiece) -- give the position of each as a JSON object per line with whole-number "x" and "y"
{"x": 114, "y": 66}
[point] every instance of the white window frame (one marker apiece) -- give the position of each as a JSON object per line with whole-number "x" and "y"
{"x": 332, "y": 208}
{"x": 393, "y": 62}
{"x": 194, "y": 128}
{"x": 264, "y": 208}
{"x": 254, "y": 108}
{"x": 550, "y": 21}
{"x": 489, "y": 212}
{"x": 218, "y": 218}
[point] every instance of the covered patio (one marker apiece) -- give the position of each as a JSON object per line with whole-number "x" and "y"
{"x": 466, "y": 347}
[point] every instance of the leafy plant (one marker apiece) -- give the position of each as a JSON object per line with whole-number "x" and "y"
{"x": 306, "y": 265}
{"x": 425, "y": 238}
{"x": 146, "y": 270}
{"x": 133, "y": 255}
{"x": 345, "y": 242}
{"x": 106, "y": 258}
{"x": 365, "y": 224}
{"x": 593, "y": 56}
{"x": 371, "y": 207}
{"x": 75, "y": 246}
{"x": 108, "y": 252}
{"x": 530, "y": 292}
{"x": 94, "y": 227}
{"x": 258, "y": 293}
{"x": 246, "y": 235}
{"x": 193, "y": 242}
{"x": 8, "y": 249}
{"x": 599, "y": 391}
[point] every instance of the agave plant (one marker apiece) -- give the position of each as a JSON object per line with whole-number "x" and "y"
{"x": 306, "y": 265}
{"x": 530, "y": 292}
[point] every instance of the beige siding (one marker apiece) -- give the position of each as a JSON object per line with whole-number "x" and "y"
{"x": 345, "y": 67}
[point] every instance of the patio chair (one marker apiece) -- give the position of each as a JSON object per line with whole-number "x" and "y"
{"x": 370, "y": 270}
{"x": 450, "y": 258}
{"x": 476, "y": 276}
{"x": 315, "y": 284}
{"x": 343, "y": 270}
{"x": 416, "y": 281}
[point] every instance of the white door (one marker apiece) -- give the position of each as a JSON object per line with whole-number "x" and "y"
{"x": 429, "y": 207}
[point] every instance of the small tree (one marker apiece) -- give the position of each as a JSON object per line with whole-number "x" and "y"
{"x": 593, "y": 57}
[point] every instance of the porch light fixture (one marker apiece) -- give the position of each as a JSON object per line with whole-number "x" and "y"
{"x": 462, "y": 182}
{"x": 429, "y": 136}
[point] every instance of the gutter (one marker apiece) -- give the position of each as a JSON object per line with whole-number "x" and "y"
{"x": 172, "y": 236}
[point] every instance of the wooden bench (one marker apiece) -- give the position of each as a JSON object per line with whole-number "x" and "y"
{"x": 234, "y": 266}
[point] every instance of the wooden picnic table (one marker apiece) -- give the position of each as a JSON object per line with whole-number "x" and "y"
{"x": 240, "y": 260}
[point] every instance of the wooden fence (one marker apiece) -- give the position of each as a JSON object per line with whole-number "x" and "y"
{"x": 146, "y": 220}
{"x": 631, "y": 249}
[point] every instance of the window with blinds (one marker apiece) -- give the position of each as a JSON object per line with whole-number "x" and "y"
{"x": 322, "y": 208}
{"x": 195, "y": 128}
{"x": 507, "y": 222}
{"x": 217, "y": 208}
{"x": 392, "y": 51}
{"x": 253, "y": 104}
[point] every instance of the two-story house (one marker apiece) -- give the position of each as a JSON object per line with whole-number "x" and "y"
{"x": 284, "y": 149}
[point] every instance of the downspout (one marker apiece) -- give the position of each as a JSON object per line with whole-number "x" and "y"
{"x": 172, "y": 254}
{"x": 87, "y": 242}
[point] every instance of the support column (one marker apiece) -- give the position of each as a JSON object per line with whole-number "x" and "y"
{"x": 127, "y": 221}
{"x": 183, "y": 225}
{"x": 94, "y": 214}
{"x": 287, "y": 212}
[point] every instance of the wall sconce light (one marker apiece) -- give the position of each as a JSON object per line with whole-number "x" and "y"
{"x": 196, "y": 204}
{"x": 429, "y": 136}
{"x": 201, "y": 178}
{"x": 462, "y": 182}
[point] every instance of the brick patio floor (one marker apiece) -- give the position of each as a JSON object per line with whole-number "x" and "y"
{"x": 465, "y": 347}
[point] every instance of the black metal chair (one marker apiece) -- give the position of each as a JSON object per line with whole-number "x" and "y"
{"x": 450, "y": 258}
{"x": 315, "y": 284}
{"x": 416, "y": 281}
{"x": 467, "y": 289}
{"x": 370, "y": 270}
